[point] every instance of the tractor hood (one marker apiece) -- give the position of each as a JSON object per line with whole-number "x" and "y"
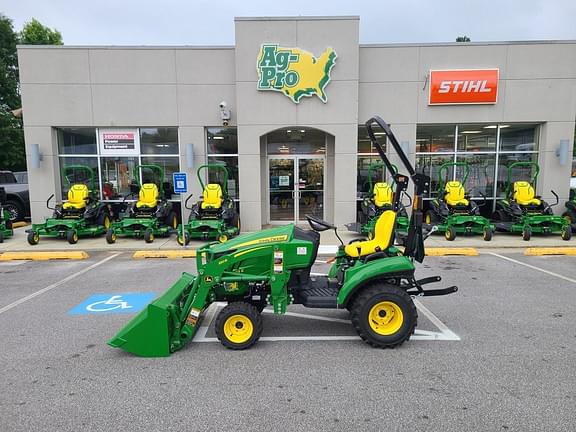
{"x": 279, "y": 234}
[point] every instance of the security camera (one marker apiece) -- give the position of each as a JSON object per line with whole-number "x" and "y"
{"x": 223, "y": 105}
{"x": 224, "y": 113}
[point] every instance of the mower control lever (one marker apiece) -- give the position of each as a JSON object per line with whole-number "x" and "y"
{"x": 557, "y": 198}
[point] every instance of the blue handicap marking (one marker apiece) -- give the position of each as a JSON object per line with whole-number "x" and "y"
{"x": 113, "y": 303}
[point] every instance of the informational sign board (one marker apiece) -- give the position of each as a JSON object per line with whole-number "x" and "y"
{"x": 116, "y": 142}
{"x": 283, "y": 180}
{"x": 463, "y": 87}
{"x": 180, "y": 180}
{"x": 113, "y": 303}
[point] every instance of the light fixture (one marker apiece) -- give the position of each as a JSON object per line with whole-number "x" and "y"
{"x": 219, "y": 137}
{"x": 190, "y": 155}
{"x": 471, "y": 132}
{"x": 289, "y": 131}
{"x": 379, "y": 133}
{"x": 302, "y": 130}
{"x": 35, "y": 156}
{"x": 504, "y": 126}
{"x": 562, "y": 151}
{"x": 490, "y": 127}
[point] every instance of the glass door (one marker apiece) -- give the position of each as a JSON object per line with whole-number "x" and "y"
{"x": 281, "y": 195}
{"x": 310, "y": 187}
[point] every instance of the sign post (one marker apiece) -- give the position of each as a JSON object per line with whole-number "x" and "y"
{"x": 180, "y": 181}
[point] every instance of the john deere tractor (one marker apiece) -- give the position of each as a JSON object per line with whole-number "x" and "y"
{"x": 379, "y": 199}
{"x": 82, "y": 215}
{"x": 215, "y": 215}
{"x": 5, "y": 222}
{"x": 570, "y": 213}
{"x": 453, "y": 212}
{"x": 152, "y": 214}
{"x": 523, "y": 212}
{"x": 371, "y": 278}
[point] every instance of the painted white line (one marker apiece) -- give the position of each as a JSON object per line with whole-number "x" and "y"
{"x": 559, "y": 276}
{"x": 12, "y": 263}
{"x": 57, "y": 284}
{"x": 314, "y": 317}
{"x": 208, "y": 318}
{"x": 448, "y": 334}
{"x": 327, "y": 249}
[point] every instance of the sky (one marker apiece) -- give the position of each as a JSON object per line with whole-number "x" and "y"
{"x": 211, "y": 22}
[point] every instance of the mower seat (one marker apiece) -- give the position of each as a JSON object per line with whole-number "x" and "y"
{"x": 524, "y": 194}
{"x": 77, "y": 196}
{"x": 455, "y": 194}
{"x": 212, "y": 196}
{"x": 382, "y": 237}
{"x": 148, "y": 196}
{"x": 382, "y": 194}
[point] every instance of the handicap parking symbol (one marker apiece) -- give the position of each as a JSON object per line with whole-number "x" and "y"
{"x": 113, "y": 303}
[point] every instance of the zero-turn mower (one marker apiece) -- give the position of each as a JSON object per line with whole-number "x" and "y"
{"x": 82, "y": 215}
{"x": 523, "y": 212}
{"x": 152, "y": 214}
{"x": 453, "y": 212}
{"x": 370, "y": 278}
{"x": 570, "y": 213}
{"x": 5, "y": 222}
{"x": 215, "y": 215}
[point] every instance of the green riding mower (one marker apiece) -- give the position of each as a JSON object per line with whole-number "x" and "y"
{"x": 82, "y": 215}
{"x": 570, "y": 213}
{"x": 379, "y": 199}
{"x": 370, "y": 278}
{"x": 215, "y": 215}
{"x": 5, "y": 222}
{"x": 152, "y": 214}
{"x": 523, "y": 212}
{"x": 453, "y": 212}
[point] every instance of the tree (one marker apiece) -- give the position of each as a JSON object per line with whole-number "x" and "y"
{"x": 462, "y": 39}
{"x": 34, "y": 33}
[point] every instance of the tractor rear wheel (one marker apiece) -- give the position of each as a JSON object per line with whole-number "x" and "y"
{"x": 384, "y": 315}
{"x": 238, "y": 326}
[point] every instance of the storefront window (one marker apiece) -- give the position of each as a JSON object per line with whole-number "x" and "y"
{"x": 519, "y": 137}
{"x": 477, "y": 138}
{"x": 296, "y": 141}
{"x": 481, "y": 175}
{"x": 117, "y": 176}
{"x": 222, "y": 148}
{"x": 435, "y": 138}
{"x": 159, "y": 140}
{"x": 430, "y": 165}
{"x": 222, "y": 140}
{"x": 516, "y": 174}
{"x": 367, "y": 154}
{"x": 365, "y": 145}
{"x": 231, "y": 164}
{"x": 169, "y": 164}
{"x": 77, "y": 141}
{"x": 69, "y": 177}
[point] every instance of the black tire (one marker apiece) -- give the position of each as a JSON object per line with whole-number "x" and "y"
{"x": 500, "y": 216}
{"x": 172, "y": 220}
{"x": 569, "y": 217}
{"x": 240, "y": 321}
{"x": 526, "y": 234}
{"x": 430, "y": 218}
{"x": 566, "y": 233}
{"x": 33, "y": 238}
{"x": 487, "y": 234}
{"x": 185, "y": 241}
{"x": 15, "y": 210}
{"x": 148, "y": 236}
{"x": 72, "y": 236}
{"x": 1, "y": 237}
{"x": 8, "y": 224}
{"x": 387, "y": 298}
{"x": 110, "y": 236}
{"x": 104, "y": 220}
{"x": 450, "y": 234}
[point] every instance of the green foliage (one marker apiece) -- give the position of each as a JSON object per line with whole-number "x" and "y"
{"x": 462, "y": 39}
{"x": 34, "y": 33}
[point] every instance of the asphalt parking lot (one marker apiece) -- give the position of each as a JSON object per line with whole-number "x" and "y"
{"x": 497, "y": 355}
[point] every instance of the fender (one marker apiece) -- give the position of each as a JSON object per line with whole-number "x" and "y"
{"x": 360, "y": 274}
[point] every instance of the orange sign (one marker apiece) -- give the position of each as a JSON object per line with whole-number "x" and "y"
{"x": 463, "y": 86}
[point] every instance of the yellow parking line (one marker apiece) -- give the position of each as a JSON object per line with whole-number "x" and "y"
{"x": 451, "y": 251}
{"x": 540, "y": 251}
{"x": 43, "y": 256}
{"x": 171, "y": 254}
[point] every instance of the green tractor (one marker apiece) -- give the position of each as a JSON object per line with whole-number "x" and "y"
{"x": 570, "y": 213}
{"x": 370, "y": 278}
{"x": 523, "y": 212}
{"x": 5, "y": 222}
{"x": 215, "y": 215}
{"x": 82, "y": 215}
{"x": 378, "y": 200}
{"x": 152, "y": 214}
{"x": 453, "y": 212}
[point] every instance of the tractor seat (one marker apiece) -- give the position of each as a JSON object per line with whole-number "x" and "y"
{"x": 455, "y": 194}
{"x": 382, "y": 194}
{"x": 77, "y": 196}
{"x": 382, "y": 237}
{"x": 524, "y": 194}
{"x": 212, "y": 196}
{"x": 148, "y": 196}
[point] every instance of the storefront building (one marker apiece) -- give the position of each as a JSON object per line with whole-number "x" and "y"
{"x": 284, "y": 110}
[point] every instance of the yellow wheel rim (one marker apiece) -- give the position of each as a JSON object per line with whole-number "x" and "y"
{"x": 385, "y": 318}
{"x": 174, "y": 222}
{"x": 36, "y": 238}
{"x": 75, "y": 237}
{"x": 113, "y": 237}
{"x": 238, "y": 329}
{"x": 222, "y": 238}
{"x": 106, "y": 222}
{"x": 428, "y": 219}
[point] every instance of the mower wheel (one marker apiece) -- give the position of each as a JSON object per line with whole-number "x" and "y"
{"x": 148, "y": 236}
{"x": 384, "y": 315}
{"x": 222, "y": 238}
{"x": 430, "y": 218}
{"x": 104, "y": 220}
{"x": 72, "y": 236}
{"x": 1, "y": 237}
{"x": 33, "y": 238}
{"x": 568, "y": 217}
{"x": 566, "y": 233}
{"x": 450, "y": 234}
{"x": 172, "y": 220}
{"x": 526, "y": 234}
{"x": 238, "y": 326}
{"x": 110, "y": 236}
{"x": 487, "y": 234}
{"x": 183, "y": 241}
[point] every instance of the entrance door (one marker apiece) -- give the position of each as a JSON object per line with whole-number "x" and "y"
{"x": 296, "y": 188}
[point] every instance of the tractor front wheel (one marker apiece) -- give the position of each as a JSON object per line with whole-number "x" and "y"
{"x": 110, "y": 236}
{"x": 238, "y": 326}
{"x": 566, "y": 233}
{"x": 526, "y": 233}
{"x": 487, "y": 234}
{"x": 450, "y": 234}
{"x": 183, "y": 240}
{"x": 33, "y": 238}
{"x": 72, "y": 236}
{"x": 384, "y": 315}
{"x": 148, "y": 236}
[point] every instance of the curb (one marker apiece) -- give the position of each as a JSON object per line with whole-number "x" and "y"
{"x": 541, "y": 251}
{"x": 43, "y": 256}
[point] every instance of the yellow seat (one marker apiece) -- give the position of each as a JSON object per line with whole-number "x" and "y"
{"x": 455, "y": 194}
{"x": 524, "y": 194}
{"x": 148, "y": 196}
{"x": 382, "y": 237}
{"x": 77, "y": 196}
{"x": 212, "y": 196}
{"x": 382, "y": 194}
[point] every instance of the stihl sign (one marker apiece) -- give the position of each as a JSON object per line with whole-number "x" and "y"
{"x": 469, "y": 86}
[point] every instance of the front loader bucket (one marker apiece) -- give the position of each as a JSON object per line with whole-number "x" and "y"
{"x": 155, "y": 332}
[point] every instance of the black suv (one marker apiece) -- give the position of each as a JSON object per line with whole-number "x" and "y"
{"x": 17, "y": 198}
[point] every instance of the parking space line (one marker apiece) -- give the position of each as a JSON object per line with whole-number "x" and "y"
{"x": 57, "y": 284}
{"x": 448, "y": 334}
{"x": 534, "y": 267}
